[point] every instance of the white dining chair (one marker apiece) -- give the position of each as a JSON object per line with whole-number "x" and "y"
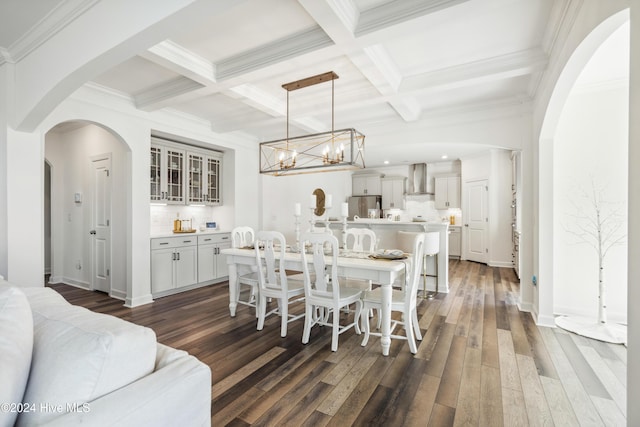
{"x": 324, "y": 297}
{"x": 404, "y": 301}
{"x": 361, "y": 240}
{"x": 273, "y": 281}
{"x": 243, "y": 237}
{"x": 431, "y": 249}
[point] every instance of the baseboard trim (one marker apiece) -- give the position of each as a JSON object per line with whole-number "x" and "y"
{"x": 76, "y": 283}
{"x": 501, "y": 264}
{"x": 118, "y": 295}
{"x": 136, "y": 302}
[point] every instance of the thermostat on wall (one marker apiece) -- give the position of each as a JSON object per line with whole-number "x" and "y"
{"x": 77, "y": 197}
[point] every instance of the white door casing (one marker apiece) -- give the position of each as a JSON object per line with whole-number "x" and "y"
{"x": 477, "y": 221}
{"x": 101, "y": 223}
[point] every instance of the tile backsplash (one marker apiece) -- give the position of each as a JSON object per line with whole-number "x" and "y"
{"x": 162, "y": 217}
{"x": 424, "y": 206}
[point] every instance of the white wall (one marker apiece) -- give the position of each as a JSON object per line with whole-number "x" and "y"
{"x": 633, "y": 366}
{"x": 590, "y": 145}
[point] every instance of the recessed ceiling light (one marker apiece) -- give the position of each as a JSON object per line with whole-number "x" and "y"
{"x": 386, "y": 162}
{"x": 444, "y": 156}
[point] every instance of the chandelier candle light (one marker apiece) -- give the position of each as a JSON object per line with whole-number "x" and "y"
{"x": 321, "y": 152}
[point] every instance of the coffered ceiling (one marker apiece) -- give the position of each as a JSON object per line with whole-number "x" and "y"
{"x": 403, "y": 65}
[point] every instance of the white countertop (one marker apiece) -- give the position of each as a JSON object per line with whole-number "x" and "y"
{"x": 388, "y": 222}
{"x": 157, "y": 234}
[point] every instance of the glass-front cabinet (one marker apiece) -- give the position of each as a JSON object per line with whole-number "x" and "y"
{"x": 182, "y": 174}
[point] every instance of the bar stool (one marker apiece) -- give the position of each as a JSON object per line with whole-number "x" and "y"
{"x": 431, "y": 249}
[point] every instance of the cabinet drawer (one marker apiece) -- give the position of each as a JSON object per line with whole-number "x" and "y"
{"x": 214, "y": 238}
{"x": 173, "y": 242}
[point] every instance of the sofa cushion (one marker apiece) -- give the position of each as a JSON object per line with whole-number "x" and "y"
{"x": 16, "y": 341}
{"x": 79, "y": 355}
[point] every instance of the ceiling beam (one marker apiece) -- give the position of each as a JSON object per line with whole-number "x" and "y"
{"x": 477, "y": 72}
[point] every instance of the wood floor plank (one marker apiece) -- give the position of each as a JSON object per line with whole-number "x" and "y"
{"x": 615, "y": 388}
{"x": 442, "y": 416}
{"x": 509, "y": 374}
{"x": 348, "y": 382}
{"x": 491, "y": 413}
{"x": 534, "y": 398}
{"x": 305, "y": 408}
{"x": 450, "y": 383}
{"x": 538, "y": 350}
{"x": 581, "y": 403}
{"x": 585, "y": 373}
{"x": 421, "y": 408}
{"x": 559, "y": 405}
{"x": 609, "y": 412}
{"x": 361, "y": 394}
{"x": 440, "y": 353}
{"x": 221, "y": 386}
{"x": 468, "y": 406}
{"x": 514, "y": 412}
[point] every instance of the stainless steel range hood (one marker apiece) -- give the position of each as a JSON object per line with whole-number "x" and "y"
{"x": 417, "y": 179}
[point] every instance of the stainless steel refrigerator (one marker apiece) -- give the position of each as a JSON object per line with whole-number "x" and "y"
{"x": 360, "y": 205}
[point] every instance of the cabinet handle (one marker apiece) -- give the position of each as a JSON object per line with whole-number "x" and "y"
{"x": 225, "y": 238}
{"x": 207, "y": 240}
{"x": 178, "y": 256}
{"x": 164, "y": 243}
{"x": 173, "y": 256}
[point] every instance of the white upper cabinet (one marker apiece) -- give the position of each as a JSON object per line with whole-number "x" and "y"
{"x": 181, "y": 174}
{"x": 393, "y": 189}
{"x": 203, "y": 178}
{"x": 447, "y": 192}
{"x": 366, "y": 185}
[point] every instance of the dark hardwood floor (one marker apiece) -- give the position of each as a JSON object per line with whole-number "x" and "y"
{"x": 481, "y": 362}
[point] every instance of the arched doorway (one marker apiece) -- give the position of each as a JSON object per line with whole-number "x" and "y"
{"x": 79, "y": 206}
{"x": 549, "y": 166}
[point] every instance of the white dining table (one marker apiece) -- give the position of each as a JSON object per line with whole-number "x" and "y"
{"x": 380, "y": 271}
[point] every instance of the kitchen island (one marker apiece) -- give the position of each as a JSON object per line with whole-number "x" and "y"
{"x": 387, "y": 232}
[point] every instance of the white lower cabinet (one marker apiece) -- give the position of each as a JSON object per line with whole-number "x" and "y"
{"x": 184, "y": 262}
{"x": 455, "y": 241}
{"x": 212, "y": 264}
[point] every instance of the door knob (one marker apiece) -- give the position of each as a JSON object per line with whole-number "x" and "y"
{"x": 466, "y": 225}
{"x": 92, "y": 232}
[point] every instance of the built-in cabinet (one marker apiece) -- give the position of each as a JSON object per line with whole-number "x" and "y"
{"x": 366, "y": 185}
{"x": 447, "y": 192}
{"x": 183, "y": 174}
{"x": 212, "y": 264}
{"x": 455, "y": 241}
{"x": 186, "y": 261}
{"x": 393, "y": 189}
{"x": 173, "y": 263}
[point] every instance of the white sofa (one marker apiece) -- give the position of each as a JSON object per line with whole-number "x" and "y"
{"x": 63, "y": 365}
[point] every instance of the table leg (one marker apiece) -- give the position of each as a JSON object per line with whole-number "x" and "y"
{"x": 385, "y": 316}
{"x": 233, "y": 288}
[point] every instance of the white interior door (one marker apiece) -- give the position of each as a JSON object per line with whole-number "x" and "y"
{"x": 477, "y": 223}
{"x": 100, "y": 224}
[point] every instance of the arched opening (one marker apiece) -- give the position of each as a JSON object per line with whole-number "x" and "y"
{"x": 584, "y": 135}
{"x": 89, "y": 172}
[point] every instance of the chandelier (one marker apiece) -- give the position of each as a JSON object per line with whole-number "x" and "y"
{"x": 320, "y": 152}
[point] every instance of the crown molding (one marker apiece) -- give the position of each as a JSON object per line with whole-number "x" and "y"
{"x": 396, "y": 12}
{"x": 59, "y": 17}
{"x": 272, "y": 53}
